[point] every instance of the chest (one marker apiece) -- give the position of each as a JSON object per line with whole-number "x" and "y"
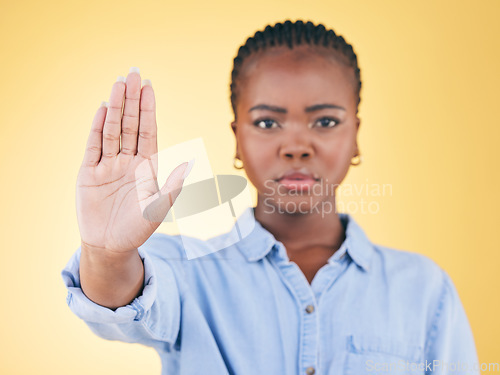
{"x": 269, "y": 320}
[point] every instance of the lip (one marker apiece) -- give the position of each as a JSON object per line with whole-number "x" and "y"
{"x": 297, "y": 179}
{"x": 298, "y": 174}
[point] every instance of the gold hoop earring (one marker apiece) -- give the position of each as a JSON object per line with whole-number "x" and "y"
{"x": 357, "y": 159}
{"x": 237, "y": 165}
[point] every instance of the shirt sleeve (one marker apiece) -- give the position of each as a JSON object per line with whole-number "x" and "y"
{"x": 151, "y": 319}
{"x": 450, "y": 347}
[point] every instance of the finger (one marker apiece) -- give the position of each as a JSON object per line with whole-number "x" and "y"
{"x": 112, "y": 124}
{"x": 94, "y": 143}
{"x": 147, "y": 143}
{"x": 158, "y": 208}
{"x": 177, "y": 177}
{"x": 130, "y": 120}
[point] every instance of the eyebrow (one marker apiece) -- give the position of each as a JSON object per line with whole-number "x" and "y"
{"x": 312, "y": 108}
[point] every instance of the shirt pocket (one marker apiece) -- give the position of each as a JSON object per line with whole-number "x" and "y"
{"x": 383, "y": 355}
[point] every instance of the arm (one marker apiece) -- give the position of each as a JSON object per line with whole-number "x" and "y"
{"x": 111, "y": 279}
{"x": 153, "y": 317}
{"x": 118, "y": 200}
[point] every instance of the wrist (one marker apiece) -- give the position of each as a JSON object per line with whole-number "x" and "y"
{"x": 102, "y": 255}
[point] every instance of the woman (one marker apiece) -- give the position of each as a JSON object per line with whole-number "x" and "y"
{"x": 306, "y": 292}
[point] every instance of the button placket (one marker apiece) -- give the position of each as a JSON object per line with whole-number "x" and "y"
{"x": 308, "y": 353}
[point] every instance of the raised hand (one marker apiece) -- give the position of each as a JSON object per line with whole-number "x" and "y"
{"x": 111, "y": 189}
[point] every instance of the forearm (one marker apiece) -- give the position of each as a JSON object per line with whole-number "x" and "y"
{"x": 111, "y": 279}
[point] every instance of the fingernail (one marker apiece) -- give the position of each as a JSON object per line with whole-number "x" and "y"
{"x": 146, "y": 82}
{"x": 134, "y": 70}
{"x": 188, "y": 169}
{"x": 120, "y": 79}
{"x": 104, "y": 104}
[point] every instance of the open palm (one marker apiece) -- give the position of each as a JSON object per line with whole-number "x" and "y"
{"x": 117, "y": 178}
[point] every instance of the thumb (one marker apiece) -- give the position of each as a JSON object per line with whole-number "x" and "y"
{"x": 165, "y": 198}
{"x": 173, "y": 185}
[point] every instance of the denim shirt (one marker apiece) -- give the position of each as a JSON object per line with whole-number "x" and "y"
{"x": 247, "y": 310}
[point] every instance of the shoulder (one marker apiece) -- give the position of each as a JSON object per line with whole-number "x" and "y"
{"x": 417, "y": 280}
{"x": 403, "y": 262}
{"x": 410, "y": 273}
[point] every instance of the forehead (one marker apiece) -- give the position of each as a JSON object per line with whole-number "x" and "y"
{"x": 303, "y": 74}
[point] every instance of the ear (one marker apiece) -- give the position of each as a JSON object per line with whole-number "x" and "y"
{"x": 358, "y": 123}
{"x": 233, "y": 126}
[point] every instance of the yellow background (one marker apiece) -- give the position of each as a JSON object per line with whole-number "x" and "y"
{"x": 429, "y": 128}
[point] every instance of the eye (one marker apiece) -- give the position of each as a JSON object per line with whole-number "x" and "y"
{"x": 327, "y": 122}
{"x": 266, "y": 124}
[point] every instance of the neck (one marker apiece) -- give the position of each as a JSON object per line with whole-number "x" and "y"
{"x": 302, "y": 230}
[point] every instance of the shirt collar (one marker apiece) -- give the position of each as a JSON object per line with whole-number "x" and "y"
{"x": 259, "y": 242}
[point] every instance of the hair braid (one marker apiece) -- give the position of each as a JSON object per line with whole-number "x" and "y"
{"x": 299, "y": 29}
{"x": 290, "y": 34}
{"x": 269, "y": 35}
{"x": 287, "y": 33}
{"x": 319, "y": 31}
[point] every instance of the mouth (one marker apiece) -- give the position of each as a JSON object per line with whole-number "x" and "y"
{"x": 301, "y": 180}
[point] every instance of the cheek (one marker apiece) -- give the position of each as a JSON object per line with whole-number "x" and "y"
{"x": 255, "y": 146}
{"x": 255, "y": 154}
{"x": 338, "y": 147}
{"x": 336, "y": 156}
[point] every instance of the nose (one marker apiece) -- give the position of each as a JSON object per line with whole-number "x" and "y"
{"x": 296, "y": 147}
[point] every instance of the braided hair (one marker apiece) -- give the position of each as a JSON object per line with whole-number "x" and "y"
{"x": 290, "y": 34}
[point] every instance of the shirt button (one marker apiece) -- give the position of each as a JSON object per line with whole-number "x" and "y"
{"x": 310, "y": 371}
{"x": 310, "y": 309}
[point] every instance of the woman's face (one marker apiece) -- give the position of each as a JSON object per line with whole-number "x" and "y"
{"x": 296, "y": 126}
